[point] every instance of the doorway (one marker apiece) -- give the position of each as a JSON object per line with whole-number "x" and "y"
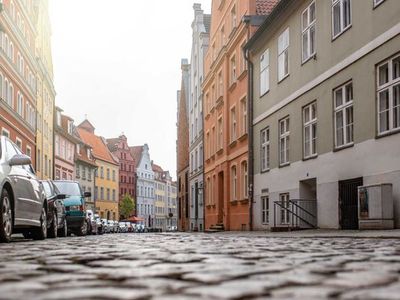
{"x": 348, "y": 202}
{"x": 221, "y": 198}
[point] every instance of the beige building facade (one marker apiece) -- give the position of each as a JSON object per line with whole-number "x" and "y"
{"x": 326, "y": 96}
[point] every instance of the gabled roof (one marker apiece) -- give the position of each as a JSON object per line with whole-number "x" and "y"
{"x": 87, "y": 125}
{"x": 100, "y": 150}
{"x": 136, "y": 152}
{"x": 264, "y": 7}
{"x": 157, "y": 168}
{"x": 112, "y": 144}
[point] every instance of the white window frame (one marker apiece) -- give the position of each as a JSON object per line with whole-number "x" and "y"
{"x": 5, "y": 132}
{"x": 265, "y": 209}
{"x": 233, "y": 68}
{"x": 310, "y": 128}
{"x": 306, "y": 31}
{"x": 284, "y": 215}
{"x": 284, "y": 140}
{"x": 264, "y": 72}
{"x": 243, "y": 104}
{"x": 18, "y": 141}
{"x": 389, "y": 87}
{"x": 233, "y": 134}
{"x": 265, "y": 149}
{"x": 234, "y": 184}
{"x": 220, "y": 133}
{"x": 29, "y": 151}
{"x": 343, "y": 108}
{"x": 245, "y": 173}
{"x": 283, "y": 54}
{"x": 342, "y": 27}
{"x": 378, "y": 2}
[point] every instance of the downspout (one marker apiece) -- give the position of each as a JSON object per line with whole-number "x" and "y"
{"x": 247, "y": 19}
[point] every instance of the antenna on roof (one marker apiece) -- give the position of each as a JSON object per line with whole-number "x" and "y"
{"x": 85, "y": 116}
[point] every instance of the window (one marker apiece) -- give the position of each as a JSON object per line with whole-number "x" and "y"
{"x": 310, "y": 130}
{"x": 108, "y": 174}
{"x": 220, "y": 134}
{"x": 70, "y": 126}
{"x": 243, "y": 63}
{"x": 233, "y": 125}
{"x": 102, "y": 173}
{"x": 264, "y": 72}
{"x": 233, "y": 183}
{"x": 220, "y": 85}
{"x": 233, "y": 17}
{"x": 108, "y": 194}
{"x": 18, "y": 142}
{"x": 283, "y": 55}
{"x": 284, "y": 132}
{"x": 265, "y": 148}
{"x": 341, "y": 16}
{"x": 245, "y": 180}
{"x": 113, "y": 195}
{"x": 113, "y": 175}
{"x": 265, "y": 209}
{"x": 233, "y": 69}
{"x": 284, "y": 201}
{"x": 308, "y": 32}
{"x": 243, "y": 104}
{"x": 388, "y": 95}
{"x": 208, "y": 145}
{"x": 20, "y": 104}
{"x": 377, "y": 2}
{"x": 343, "y": 103}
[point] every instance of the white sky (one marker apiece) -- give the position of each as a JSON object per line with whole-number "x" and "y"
{"x": 119, "y": 62}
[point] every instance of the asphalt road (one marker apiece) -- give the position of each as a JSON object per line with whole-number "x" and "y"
{"x": 200, "y": 266}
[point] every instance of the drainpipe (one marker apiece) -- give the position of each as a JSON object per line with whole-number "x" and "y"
{"x": 246, "y": 20}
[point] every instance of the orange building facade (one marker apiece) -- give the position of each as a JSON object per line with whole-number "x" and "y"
{"x": 226, "y": 114}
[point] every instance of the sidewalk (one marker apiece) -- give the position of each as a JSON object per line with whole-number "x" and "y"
{"x": 322, "y": 233}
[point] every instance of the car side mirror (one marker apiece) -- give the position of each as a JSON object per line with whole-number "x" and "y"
{"x": 87, "y": 194}
{"x": 20, "y": 160}
{"x": 61, "y": 196}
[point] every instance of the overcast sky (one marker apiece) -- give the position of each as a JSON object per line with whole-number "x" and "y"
{"x": 118, "y": 62}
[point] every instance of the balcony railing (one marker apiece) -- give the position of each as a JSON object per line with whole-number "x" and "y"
{"x": 295, "y": 213}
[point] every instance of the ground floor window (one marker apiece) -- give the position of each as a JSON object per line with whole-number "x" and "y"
{"x": 265, "y": 209}
{"x": 284, "y": 201}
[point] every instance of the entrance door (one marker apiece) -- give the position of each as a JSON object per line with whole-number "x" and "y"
{"x": 221, "y": 198}
{"x": 348, "y": 203}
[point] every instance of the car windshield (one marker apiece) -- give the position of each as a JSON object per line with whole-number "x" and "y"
{"x": 68, "y": 188}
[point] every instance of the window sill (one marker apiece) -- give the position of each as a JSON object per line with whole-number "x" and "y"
{"x": 207, "y": 116}
{"x": 244, "y": 201}
{"x": 310, "y": 157}
{"x": 232, "y": 32}
{"x": 388, "y": 133}
{"x": 283, "y": 78}
{"x": 233, "y": 144}
{"x": 262, "y": 95}
{"x": 233, "y": 202}
{"x": 265, "y": 171}
{"x": 243, "y": 137}
{"x": 220, "y": 101}
{"x": 242, "y": 75}
{"x": 339, "y": 34}
{"x": 232, "y": 86}
{"x": 314, "y": 56}
{"x": 343, "y": 147}
{"x": 284, "y": 165}
{"x": 220, "y": 151}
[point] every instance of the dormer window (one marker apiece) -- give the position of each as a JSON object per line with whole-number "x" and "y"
{"x": 58, "y": 118}
{"x": 88, "y": 153}
{"x": 78, "y": 148}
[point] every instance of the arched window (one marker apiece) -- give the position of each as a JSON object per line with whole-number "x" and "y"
{"x": 12, "y": 8}
{"x": 6, "y": 45}
{"x": 19, "y": 20}
{"x": 10, "y": 100}
{"x": 245, "y": 180}
{"x": 12, "y": 51}
{"x": 1, "y": 85}
{"x": 6, "y": 90}
{"x": 234, "y": 183}
{"x": 20, "y": 104}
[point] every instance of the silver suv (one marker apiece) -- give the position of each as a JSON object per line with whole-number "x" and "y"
{"x": 22, "y": 200}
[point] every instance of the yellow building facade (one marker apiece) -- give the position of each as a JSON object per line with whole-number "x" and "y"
{"x": 45, "y": 98}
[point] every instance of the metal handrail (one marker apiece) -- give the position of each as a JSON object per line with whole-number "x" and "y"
{"x": 294, "y": 214}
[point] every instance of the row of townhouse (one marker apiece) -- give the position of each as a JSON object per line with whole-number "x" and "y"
{"x": 301, "y": 111}
{"x": 27, "y": 92}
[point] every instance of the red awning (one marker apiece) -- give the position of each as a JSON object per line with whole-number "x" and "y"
{"x": 135, "y": 219}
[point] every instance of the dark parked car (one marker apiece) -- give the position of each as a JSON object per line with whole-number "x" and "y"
{"x": 22, "y": 202}
{"x": 74, "y": 203}
{"x": 56, "y": 214}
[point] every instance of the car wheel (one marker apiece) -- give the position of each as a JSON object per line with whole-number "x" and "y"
{"x": 53, "y": 230}
{"x": 83, "y": 229}
{"x": 5, "y": 217}
{"x": 63, "y": 232}
{"x": 41, "y": 232}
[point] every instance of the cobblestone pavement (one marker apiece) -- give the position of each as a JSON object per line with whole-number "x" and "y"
{"x": 200, "y": 266}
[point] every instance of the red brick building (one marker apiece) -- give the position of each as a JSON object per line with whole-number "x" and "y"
{"x": 18, "y": 70}
{"x": 183, "y": 150}
{"x": 127, "y": 171}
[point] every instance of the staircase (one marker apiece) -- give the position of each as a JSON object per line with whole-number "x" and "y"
{"x": 301, "y": 214}
{"x": 216, "y": 228}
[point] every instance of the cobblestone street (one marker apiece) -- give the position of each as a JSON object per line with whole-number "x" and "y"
{"x": 200, "y": 266}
